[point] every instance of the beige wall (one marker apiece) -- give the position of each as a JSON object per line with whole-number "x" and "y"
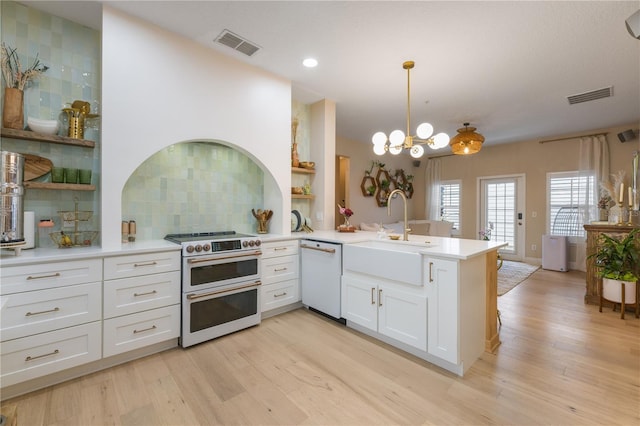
{"x": 531, "y": 158}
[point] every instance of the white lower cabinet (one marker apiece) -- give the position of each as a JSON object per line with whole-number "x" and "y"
{"x": 129, "y": 332}
{"x": 42, "y": 354}
{"x": 280, "y": 274}
{"x": 50, "y": 318}
{"x": 394, "y": 310}
{"x": 442, "y": 289}
{"x": 141, "y": 301}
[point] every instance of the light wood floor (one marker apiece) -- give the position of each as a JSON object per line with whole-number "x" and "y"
{"x": 561, "y": 362}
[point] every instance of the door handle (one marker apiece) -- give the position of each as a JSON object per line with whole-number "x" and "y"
{"x": 380, "y": 297}
{"x": 373, "y": 290}
{"x": 430, "y": 272}
{"x": 327, "y": 250}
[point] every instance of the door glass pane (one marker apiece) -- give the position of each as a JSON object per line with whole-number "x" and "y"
{"x": 501, "y": 213}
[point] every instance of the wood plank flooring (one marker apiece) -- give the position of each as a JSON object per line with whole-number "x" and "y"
{"x": 560, "y": 362}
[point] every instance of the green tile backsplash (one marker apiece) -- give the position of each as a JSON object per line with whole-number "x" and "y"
{"x": 193, "y": 187}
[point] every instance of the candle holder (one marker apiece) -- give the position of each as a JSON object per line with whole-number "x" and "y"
{"x": 621, "y": 214}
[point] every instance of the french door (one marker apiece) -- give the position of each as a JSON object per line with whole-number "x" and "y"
{"x": 502, "y": 212}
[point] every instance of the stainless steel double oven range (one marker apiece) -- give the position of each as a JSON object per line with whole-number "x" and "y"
{"x": 220, "y": 284}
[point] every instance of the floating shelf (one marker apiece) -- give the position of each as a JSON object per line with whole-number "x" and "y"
{"x": 67, "y": 186}
{"x": 302, "y": 196}
{"x": 33, "y": 136}
{"x": 301, "y": 170}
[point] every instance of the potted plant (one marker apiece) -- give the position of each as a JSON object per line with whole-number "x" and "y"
{"x": 617, "y": 262}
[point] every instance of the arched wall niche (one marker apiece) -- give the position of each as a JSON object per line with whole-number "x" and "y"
{"x": 197, "y": 186}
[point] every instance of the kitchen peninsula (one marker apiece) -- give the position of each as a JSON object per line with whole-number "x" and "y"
{"x": 437, "y": 305}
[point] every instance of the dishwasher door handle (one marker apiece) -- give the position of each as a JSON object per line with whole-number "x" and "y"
{"x": 326, "y": 250}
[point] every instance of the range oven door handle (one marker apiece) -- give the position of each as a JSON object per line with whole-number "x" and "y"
{"x": 233, "y": 256}
{"x": 194, "y": 296}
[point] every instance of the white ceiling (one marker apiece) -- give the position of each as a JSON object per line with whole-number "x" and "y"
{"x": 505, "y": 67}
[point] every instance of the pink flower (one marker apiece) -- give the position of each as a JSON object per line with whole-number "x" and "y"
{"x": 344, "y": 211}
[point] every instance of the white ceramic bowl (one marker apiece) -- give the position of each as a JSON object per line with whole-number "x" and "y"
{"x": 48, "y": 127}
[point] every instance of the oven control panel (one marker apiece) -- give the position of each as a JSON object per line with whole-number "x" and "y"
{"x": 205, "y": 247}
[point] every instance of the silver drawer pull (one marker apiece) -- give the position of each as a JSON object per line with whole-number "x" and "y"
{"x": 144, "y": 294}
{"x": 31, "y": 277}
{"x": 31, "y": 358}
{"x": 279, "y": 269}
{"x": 318, "y": 248}
{"x": 279, "y": 248}
{"x": 136, "y": 265}
{"x": 153, "y": 327}
{"x": 280, "y": 295}
{"x": 28, "y": 314}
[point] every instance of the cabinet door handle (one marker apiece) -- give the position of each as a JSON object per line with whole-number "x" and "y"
{"x": 31, "y": 358}
{"x": 430, "y": 272}
{"x": 136, "y": 265}
{"x": 28, "y": 314}
{"x": 31, "y": 277}
{"x": 380, "y": 297}
{"x": 372, "y": 291}
{"x": 279, "y": 269}
{"x": 280, "y": 295}
{"x": 144, "y": 294}
{"x": 153, "y": 327}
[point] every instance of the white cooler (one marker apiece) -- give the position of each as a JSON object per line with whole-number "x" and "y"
{"x": 554, "y": 253}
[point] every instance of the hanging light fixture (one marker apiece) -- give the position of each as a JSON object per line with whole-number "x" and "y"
{"x": 397, "y": 140}
{"x": 467, "y": 141}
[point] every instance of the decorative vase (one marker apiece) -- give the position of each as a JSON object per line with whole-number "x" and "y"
{"x": 346, "y": 223}
{"x": 603, "y": 215}
{"x": 295, "y": 161}
{"x": 13, "y": 110}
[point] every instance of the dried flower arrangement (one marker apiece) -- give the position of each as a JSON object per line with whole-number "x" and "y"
{"x": 612, "y": 188}
{"x": 14, "y": 77}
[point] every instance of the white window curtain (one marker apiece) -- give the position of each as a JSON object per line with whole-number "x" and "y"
{"x": 594, "y": 159}
{"x": 432, "y": 189}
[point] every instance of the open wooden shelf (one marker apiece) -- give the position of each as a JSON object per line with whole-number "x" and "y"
{"x": 302, "y": 196}
{"x": 33, "y": 136}
{"x": 302, "y": 170}
{"x": 67, "y": 186}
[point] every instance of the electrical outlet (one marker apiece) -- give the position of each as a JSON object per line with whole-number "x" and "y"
{"x": 534, "y": 214}
{"x": 534, "y": 247}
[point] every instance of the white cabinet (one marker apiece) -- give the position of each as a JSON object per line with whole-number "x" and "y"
{"x": 141, "y": 300}
{"x": 280, "y": 274}
{"x": 50, "y": 317}
{"x": 442, "y": 289}
{"x": 394, "y": 310}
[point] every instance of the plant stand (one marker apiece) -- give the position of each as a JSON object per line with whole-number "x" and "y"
{"x": 622, "y": 292}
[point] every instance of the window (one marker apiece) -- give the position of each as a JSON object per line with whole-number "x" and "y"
{"x": 571, "y": 201}
{"x": 450, "y": 204}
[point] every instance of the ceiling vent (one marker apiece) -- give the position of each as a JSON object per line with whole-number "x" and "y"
{"x": 236, "y": 42}
{"x": 606, "y": 92}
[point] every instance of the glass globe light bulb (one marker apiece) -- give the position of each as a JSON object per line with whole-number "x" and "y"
{"x": 440, "y": 140}
{"x": 395, "y": 149}
{"x": 396, "y": 138}
{"x": 424, "y": 131}
{"x": 417, "y": 151}
{"x": 378, "y": 149}
{"x": 380, "y": 138}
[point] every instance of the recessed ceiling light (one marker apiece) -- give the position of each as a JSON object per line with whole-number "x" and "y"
{"x": 310, "y": 63}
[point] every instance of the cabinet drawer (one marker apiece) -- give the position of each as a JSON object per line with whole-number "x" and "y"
{"x": 141, "y": 264}
{"x": 42, "y": 354}
{"x": 24, "y": 314}
{"x": 17, "y": 279}
{"x": 130, "y": 295}
{"x": 129, "y": 332}
{"x": 279, "y": 269}
{"x": 279, "y": 248}
{"x": 279, "y": 294}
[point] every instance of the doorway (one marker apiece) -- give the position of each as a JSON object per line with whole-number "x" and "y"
{"x": 343, "y": 165}
{"x": 502, "y": 211}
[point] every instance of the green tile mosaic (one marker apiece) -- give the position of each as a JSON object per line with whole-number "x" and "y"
{"x": 193, "y": 187}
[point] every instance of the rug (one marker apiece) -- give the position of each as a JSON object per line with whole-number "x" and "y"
{"x": 513, "y": 273}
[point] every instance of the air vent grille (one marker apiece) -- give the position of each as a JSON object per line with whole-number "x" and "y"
{"x": 236, "y": 42}
{"x": 605, "y": 92}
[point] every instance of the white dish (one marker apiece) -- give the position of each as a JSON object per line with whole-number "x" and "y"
{"x": 47, "y": 127}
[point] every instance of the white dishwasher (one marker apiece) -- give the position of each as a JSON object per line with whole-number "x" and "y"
{"x": 321, "y": 273}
